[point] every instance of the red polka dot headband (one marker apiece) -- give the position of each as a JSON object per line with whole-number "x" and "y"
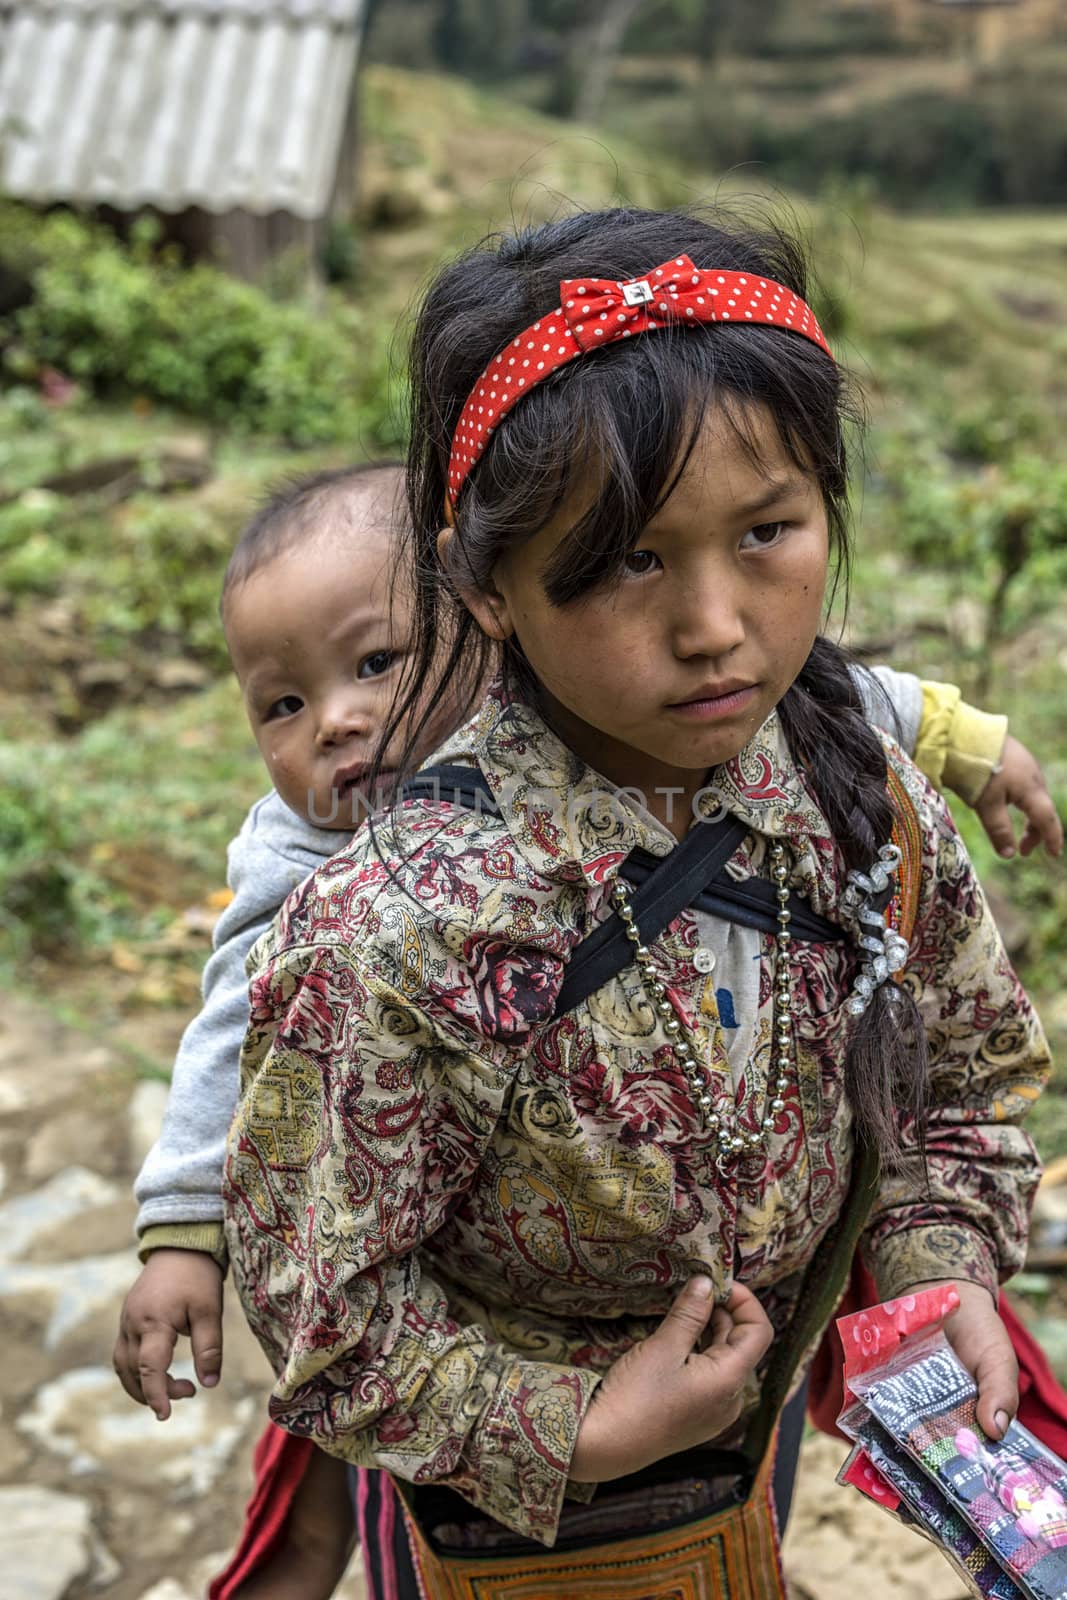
{"x": 597, "y": 311}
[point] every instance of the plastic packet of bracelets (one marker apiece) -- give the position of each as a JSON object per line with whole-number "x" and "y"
{"x": 1012, "y": 1491}
{"x": 922, "y": 1505}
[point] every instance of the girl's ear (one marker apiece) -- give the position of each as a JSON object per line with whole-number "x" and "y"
{"x": 487, "y": 606}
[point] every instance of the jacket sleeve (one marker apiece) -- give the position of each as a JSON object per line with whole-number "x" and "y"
{"x": 988, "y": 1063}
{"x": 363, "y": 1122}
{"x": 957, "y": 746}
{"x": 179, "y": 1186}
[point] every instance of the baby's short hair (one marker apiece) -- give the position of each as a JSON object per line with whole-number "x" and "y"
{"x": 294, "y": 512}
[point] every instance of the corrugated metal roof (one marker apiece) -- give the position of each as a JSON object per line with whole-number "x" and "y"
{"x": 345, "y": 13}
{"x": 213, "y": 103}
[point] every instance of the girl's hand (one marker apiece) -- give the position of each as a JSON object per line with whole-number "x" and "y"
{"x": 981, "y": 1341}
{"x": 178, "y": 1291}
{"x": 1019, "y": 782}
{"x": 675, "y": 1389}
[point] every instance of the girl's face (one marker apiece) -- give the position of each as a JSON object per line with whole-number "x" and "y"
{"x": 672, "y": 671}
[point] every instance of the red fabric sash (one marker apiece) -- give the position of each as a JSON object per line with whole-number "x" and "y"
{"x": 279, "y": 1463}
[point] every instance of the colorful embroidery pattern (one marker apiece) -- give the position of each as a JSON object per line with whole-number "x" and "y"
{"x": 448, "y": 1214}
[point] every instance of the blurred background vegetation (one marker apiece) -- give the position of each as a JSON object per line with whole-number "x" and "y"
{"x": 147, "y": 400}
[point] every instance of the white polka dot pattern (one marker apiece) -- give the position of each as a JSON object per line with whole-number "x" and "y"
{"x": 594, "y": 312}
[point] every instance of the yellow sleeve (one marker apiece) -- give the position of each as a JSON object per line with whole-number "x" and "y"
{"x": 958, "y": 746}
{"x": 205, "y": 1236}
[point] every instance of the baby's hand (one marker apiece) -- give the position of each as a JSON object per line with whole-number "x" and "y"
{"x": 1019, "y": 782}
{"x": 178, "y": 1291}
{"x": 983, "y": 1344}
{"x": 675, "y": 1389}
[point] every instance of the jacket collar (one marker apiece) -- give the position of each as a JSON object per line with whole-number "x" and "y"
{"x": 570, "y": 823}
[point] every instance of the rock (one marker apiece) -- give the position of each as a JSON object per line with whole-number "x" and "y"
{"x": 210, "y": 1566}
{"x": 72, "y": 1291}
{"x": 144, "y": 1117}
{"x": 84, "y": 1417}
{"x": 30, "y": 1036}
{"x": 179, "y": 675}
{"x": 353, "y": 1586}
{"x": 62, "y": 1141}
{"x": 105, "y": 1569}
{"x": 47, "y": 1541}
{"x": 28, "y": 1217}
{"x": 97, "y": 677}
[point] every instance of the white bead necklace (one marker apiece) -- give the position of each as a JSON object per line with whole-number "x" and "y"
{"x": 733, "y": 1141}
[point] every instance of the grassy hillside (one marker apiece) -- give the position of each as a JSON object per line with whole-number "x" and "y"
{"x": 126, "y": 764}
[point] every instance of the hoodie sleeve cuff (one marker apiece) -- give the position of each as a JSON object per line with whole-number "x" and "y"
{"x": 207, "y": 1237}
{"x": 975, "y": 745}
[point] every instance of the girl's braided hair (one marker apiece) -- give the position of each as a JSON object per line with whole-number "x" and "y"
{"x": 628, "y": 408}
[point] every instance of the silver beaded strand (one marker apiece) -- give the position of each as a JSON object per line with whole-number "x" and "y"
{"x": 733, "y": 1142}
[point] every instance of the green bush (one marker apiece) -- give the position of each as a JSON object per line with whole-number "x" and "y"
{"x": 38, "y": 910}
{"x": 124, "y": 321}
{"x": 1001, "y": 142}
{"x": 149, "y": 573}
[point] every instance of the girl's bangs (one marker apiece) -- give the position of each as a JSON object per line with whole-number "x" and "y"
{"x": 606, "y": 440}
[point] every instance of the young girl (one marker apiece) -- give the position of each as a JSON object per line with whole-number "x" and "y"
{"x": 554, "y": 1256}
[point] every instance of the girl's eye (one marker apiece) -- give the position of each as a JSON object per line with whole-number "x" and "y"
{"x": 377, "y": 664}
{"x": 641, "y": 562}
{"x": 763, "y": 535}
{"x": 287, "y": 706}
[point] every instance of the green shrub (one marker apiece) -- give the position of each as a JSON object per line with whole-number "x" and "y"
{"x": 124, "y": 322}
{"x": 1003, "y": 141}
{"x": 149, "y": 573}
{"x": 38, "y": 912}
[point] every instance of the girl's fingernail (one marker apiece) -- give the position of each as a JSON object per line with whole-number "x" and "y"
{"x": 210, "y": 1380}
{"x": 1002, "y": 1420}
{"x": 701, "y": 1287}
{"x": 1007, "y": 851}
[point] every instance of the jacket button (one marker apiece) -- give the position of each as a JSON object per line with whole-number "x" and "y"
{"x": 704, "y": 959}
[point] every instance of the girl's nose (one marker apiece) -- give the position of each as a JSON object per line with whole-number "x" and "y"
{"x": 706, "y": 619}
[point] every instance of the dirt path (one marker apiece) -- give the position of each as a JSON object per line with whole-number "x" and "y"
{"x": 96, "y": 1497}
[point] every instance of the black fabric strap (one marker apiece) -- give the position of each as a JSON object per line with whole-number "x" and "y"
{"x": 461, "y": 786}
{"x": 676, "y": 881}
{"x": 692, "y": 875}
{"x": 750, "y": 901}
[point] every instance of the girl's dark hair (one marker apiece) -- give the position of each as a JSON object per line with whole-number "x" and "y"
{"x": 634, "y": 411}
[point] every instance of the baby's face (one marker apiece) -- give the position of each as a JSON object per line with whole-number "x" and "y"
{"x": 319, "y": 640}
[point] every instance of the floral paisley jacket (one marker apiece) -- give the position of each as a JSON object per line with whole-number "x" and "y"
{"x": 448, "y": 1213}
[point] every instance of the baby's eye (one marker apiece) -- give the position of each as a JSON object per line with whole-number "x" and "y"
{"x": 287, "y": 706}
{"x": 763, "y": 535}
{"x": 641, "y": 562}
{"x": 377, "y": 664}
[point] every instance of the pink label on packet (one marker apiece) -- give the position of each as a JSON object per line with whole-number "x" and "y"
{"x": 870, "y": 1337}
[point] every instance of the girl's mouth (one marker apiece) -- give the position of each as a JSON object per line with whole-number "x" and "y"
{"x": 707, "y": 705}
